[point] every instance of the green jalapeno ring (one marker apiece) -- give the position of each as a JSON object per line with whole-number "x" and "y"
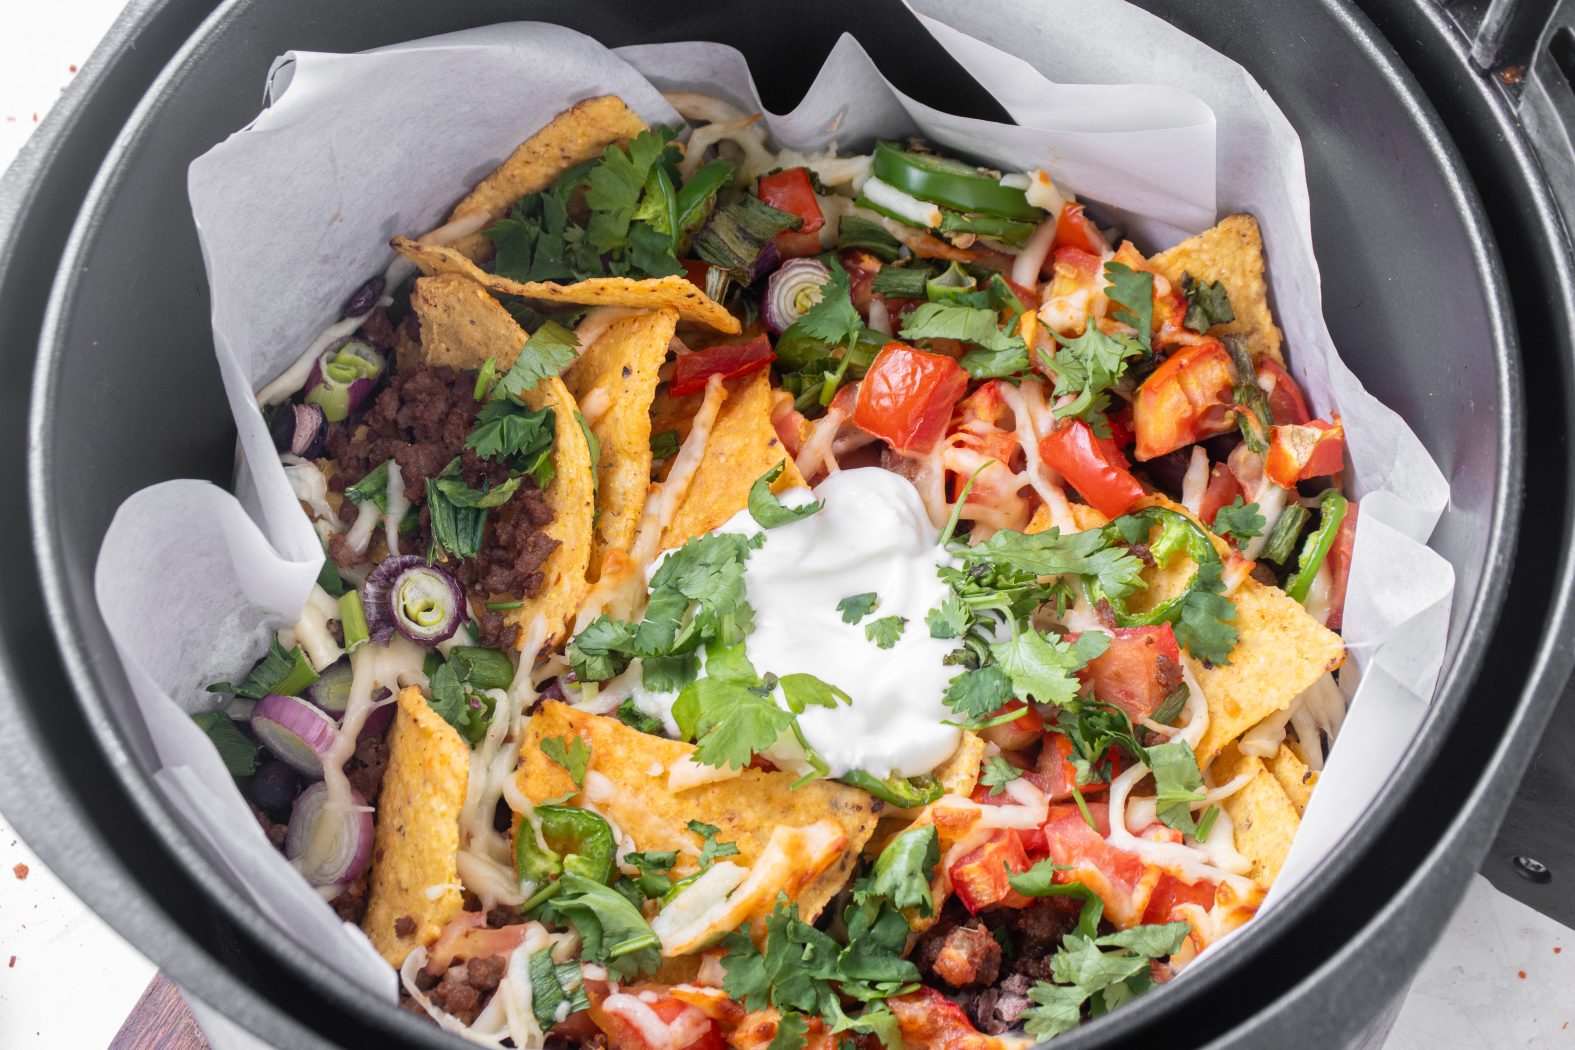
{"x": 1177, "y": 532}
{"x": 577, "y": 841}
{"x": 902, "y": 792}
{"x": 1315, "y": 550}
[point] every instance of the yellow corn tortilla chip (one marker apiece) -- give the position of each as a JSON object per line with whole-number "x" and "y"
{"x": 416, "y": 849}
{"x": 579, "y": 133}
{"x": 651, "y": 293}
{"x": 745, "y": 808}
{"x": 1232, "y": 253}
{"x": 1295, "y": 778}
{"x": 1085, "y": 516}
{"x": 462, "y": 326}
{"x": 1280, "y": 652}
{"x": 1262, "y": 818}
{"x": 741, "y": 447}
{"x": 614, "y": 382}
{"x": 960, "y": 773}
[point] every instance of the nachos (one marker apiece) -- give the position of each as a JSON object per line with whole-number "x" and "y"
{"x": 783, "y": 600}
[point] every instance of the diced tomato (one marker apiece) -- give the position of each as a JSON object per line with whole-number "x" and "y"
{"x": 1189, "y": 397}
{"x": 466, "y": 937}
{"x": 695, "y": 270}
{"x": 1287, "y": 403}
{"x": 1093, "y": 466}
{"x": 1339, "y": 562}
{"x": 1116, "y": 875}
{"x": 979, "y": 877}
{"x": 791, "y": 190}
{"x": 1083, "y": 266}
{"x": 1170, "y": 893}
{"x": 907, "y": 397}
{"x": 670, "y": 1010}
{"x": 1021, "y": 732}
{"x": 1120, "y": 420}
{"x": 862, "y": 268}
{"x": 1057, "y": 775}
{"x": 1298, "y": 452}
{"x": 1139, "y": 670}
{"x": 730, "y": 360}
{"x": 1073, "y": 229}
{"x": 928, "y": 1020}
{"x": 1222, "y": 492}
{"x": 680, "y": 1018}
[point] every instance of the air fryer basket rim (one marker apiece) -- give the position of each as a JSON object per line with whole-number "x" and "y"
{"x": 173, "y": 839}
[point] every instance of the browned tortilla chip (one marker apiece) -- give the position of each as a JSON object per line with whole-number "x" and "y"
{"x": 1085, "y": 516}
{"x": 1295, "y": 778}
{"x": 742, "y": 446}
{"x": 651, "y": 293}
{"x": 415, "y": 857}
{"x": 1281, "y": 651}
{"x": 578, "y": 134}
{"x": 1262, "y": 818}
{"x": 747, "y": 808}
{"x": 960, "y": 773}
{"x": 614, "y": 381}
{"x": 462, "y": 326}
{"x": 1232, "y": 253}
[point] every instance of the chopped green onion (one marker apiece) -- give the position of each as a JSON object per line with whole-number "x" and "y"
{"x": 857, "y": 232}
{"x": 1206, "y": 823}
{"x": 352, "y": 619}
{"x": 503, "y": 606}
{"x": 1281, "y": 543}
{"x": 951, "y": 285}
{"x": 900, "y": 282}
{"x": 736, "y": 235}
{"x": 1315, "y": 550}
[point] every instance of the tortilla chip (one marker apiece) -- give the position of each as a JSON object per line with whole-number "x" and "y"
{"x": 578, "y": 134}
{"x": 650, "y": 293}
{"x": 462, "y": 326}
{"x": 960, "y": 773}
{"x": 1262, "y": 818}
{"x": 1295, "y": 778}
{"x": 1280, "y": 652}
{"x": 1231, "y": 252}
{"x": 746, "y": 808}
{"x": 1085, "y": 516}
{"x": 741, "y": 447}
{"x": 614, "y": 382}
{"x": 416, "y": 850}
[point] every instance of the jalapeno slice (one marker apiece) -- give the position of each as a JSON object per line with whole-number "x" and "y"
{"x": 1315, "y": 551}
{"x": 952, "y": 183}
{"x": 1177, "y": 532}
{"x": 578, "y": 841}
{"x": 902, "y": 792}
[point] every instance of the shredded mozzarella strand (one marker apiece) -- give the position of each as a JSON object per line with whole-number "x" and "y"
{"x": 311, "y": 630}
{"x": 398, "y": 506}
{"x": 661, "y": 506}
{"x": 1031, "y": 260}
{"x": 1030, "y": 415}
{"x": 1316, "y": 715}
{"x": 359, "y": 538}
{"x": 310, "y": 486}
{"x": 817, "y": 454}
{"x": 1196, "y": 480}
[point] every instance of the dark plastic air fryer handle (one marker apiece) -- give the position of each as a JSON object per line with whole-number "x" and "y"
{"x": 1547, "y": 106}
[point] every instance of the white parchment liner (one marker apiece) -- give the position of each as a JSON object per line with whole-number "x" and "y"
{"x": 296, "y": 210}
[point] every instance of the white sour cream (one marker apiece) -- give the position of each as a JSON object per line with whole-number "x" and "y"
{"x": 872, "y": 535}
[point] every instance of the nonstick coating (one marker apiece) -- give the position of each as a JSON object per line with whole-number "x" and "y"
{"x": 127, "y": 394}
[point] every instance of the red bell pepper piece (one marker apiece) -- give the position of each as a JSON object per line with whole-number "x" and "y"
{"x": 1137, "y": 672}
{"x": 1093, "y": 466}
{"x": 979, "y": 877}
{"x": 907, "y": 397}
{"x": 1020, "y": 732}
{"x": 730, "y": 360}
{"x": 1298, "y": 452}
{"x": 791, "y": 190}
{"x": 1073, "y": 229}
{"x": 1287, "y": 403}
{"x": 1339, "y": 563}
{"x": 1222, "y": 492}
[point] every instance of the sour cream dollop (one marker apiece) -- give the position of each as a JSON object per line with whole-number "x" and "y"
{"x": 872, "y": 535}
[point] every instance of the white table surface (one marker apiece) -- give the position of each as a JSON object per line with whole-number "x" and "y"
{"x": 1502, "y": 976}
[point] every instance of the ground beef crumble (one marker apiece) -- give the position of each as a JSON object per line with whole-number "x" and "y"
{"x": 462, "y": 990}
{"x": 421, "y": 420}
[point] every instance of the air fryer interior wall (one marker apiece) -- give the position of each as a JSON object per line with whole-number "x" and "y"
{"x": 1379, "y": 180}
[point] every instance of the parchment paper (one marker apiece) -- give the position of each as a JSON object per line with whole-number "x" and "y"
{"x": 295, "y": 211}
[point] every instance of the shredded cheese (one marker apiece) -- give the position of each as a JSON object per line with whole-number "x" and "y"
{"x": 663, "y": 504}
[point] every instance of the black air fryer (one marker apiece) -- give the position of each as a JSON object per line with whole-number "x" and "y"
{"x": 1438, "y": 147}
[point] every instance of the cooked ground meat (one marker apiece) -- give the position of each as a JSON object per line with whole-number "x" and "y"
{"x": 961, "y": 956}
{"x": 1035, "y": 933}
{"x": 404, "y": 926}
{"x": 557, "y": 1040}
{"x": 275, "y": 832}
{"x": 995, "y": 1010}
{"x": 366, "y": 767}
{"x": 462, "y": 990}
{"x": 421, "y": 420}
{"x": 378, "y": 330}
{"x": 504, "y": 915}
{"x": 1169, "y": 674}
{"x": 350, "y": 905}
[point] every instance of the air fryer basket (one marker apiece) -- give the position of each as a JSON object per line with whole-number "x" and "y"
{"x": 125, "y": 393}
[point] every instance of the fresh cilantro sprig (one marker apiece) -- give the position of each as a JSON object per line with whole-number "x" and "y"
{"x": 997, "y": 352}
{"x": 548, "y": 351}
{"x": 572, "y": 753}
{"x": 1208, "y": 303}
{"x": 769, "y": 511}
{"x": 712, "y": 850}
{"x": 1133, "y": 293}
{"x": 996, "y": 773}
{"x": 885, "y": 631}
{"x": 1238, "y": 522}
{"x": 1043, "y": 667}
{"x": 857, "y": 606}
{"x": 1083, "y": 974}
{"x": 1089, "y": 366}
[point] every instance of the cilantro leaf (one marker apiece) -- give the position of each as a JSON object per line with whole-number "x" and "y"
{"x": 769, "y": 511}
{"x": 1133, "y": 291}
{"x": 979, "y": 693}
{"x": 712, "y": 848}
{"x": 1039, "y": 881}
{"x": 901, "y": 873}
{"x": 1117, "y": 571}
{"x": 460, "y": 494}
{"x": 1208, "y": 303}
{"x": 467, "y": 712}
{"x": 857, "y": 606}
{"x": 612, "y": 931}
{"x": 603, "y": 650}
{"x": 506, "y": 431}
{"x": 1153, "y": 940}
{"x": 792, "y": 1032}
{"x": 572, "y": 753}
{"x": 996, "y": 773}
{"x": 1088, "y": 366}
{"x": 805, "y": 690}
{"x": 654, "y": 867}
{"x": 614, "y": 187}
{"x": 833, "y": 320}
{"x": 1177, "y": 783}
{"x": 1059, "y": 1009}
{"x": 1238, "y": 522}
{"x": 1045, "y": 668}
{"x": 238, "y": 753}
{"x": 999, "y": 353}
{"x": 885, "y": 631}
{"x": 1204, "y": 627}
{"x": 664, "y": 445}
{"x": 549, "y": 350}
{"x": 1079, "y": 962}
{"x": 729, "y": 722}
{"x": 629, "y": 714}
{"x": 950, "y": 619}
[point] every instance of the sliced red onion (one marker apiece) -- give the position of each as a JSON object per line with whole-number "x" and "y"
{"x": 765, "y": 262}
{"x": 791, "y": 291}
{"x": 420, "y": 601}
{"x": 300, "y": 430}
{"x": 365, "y": 297}
{"x": 274, "y": 787}
{"x": 344, "y": 377}
{"x": 331, "y": 691}
{"x": 329, "y": 856}
{"x": 295, "y": 732}
{"x": 378, "y": 719}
